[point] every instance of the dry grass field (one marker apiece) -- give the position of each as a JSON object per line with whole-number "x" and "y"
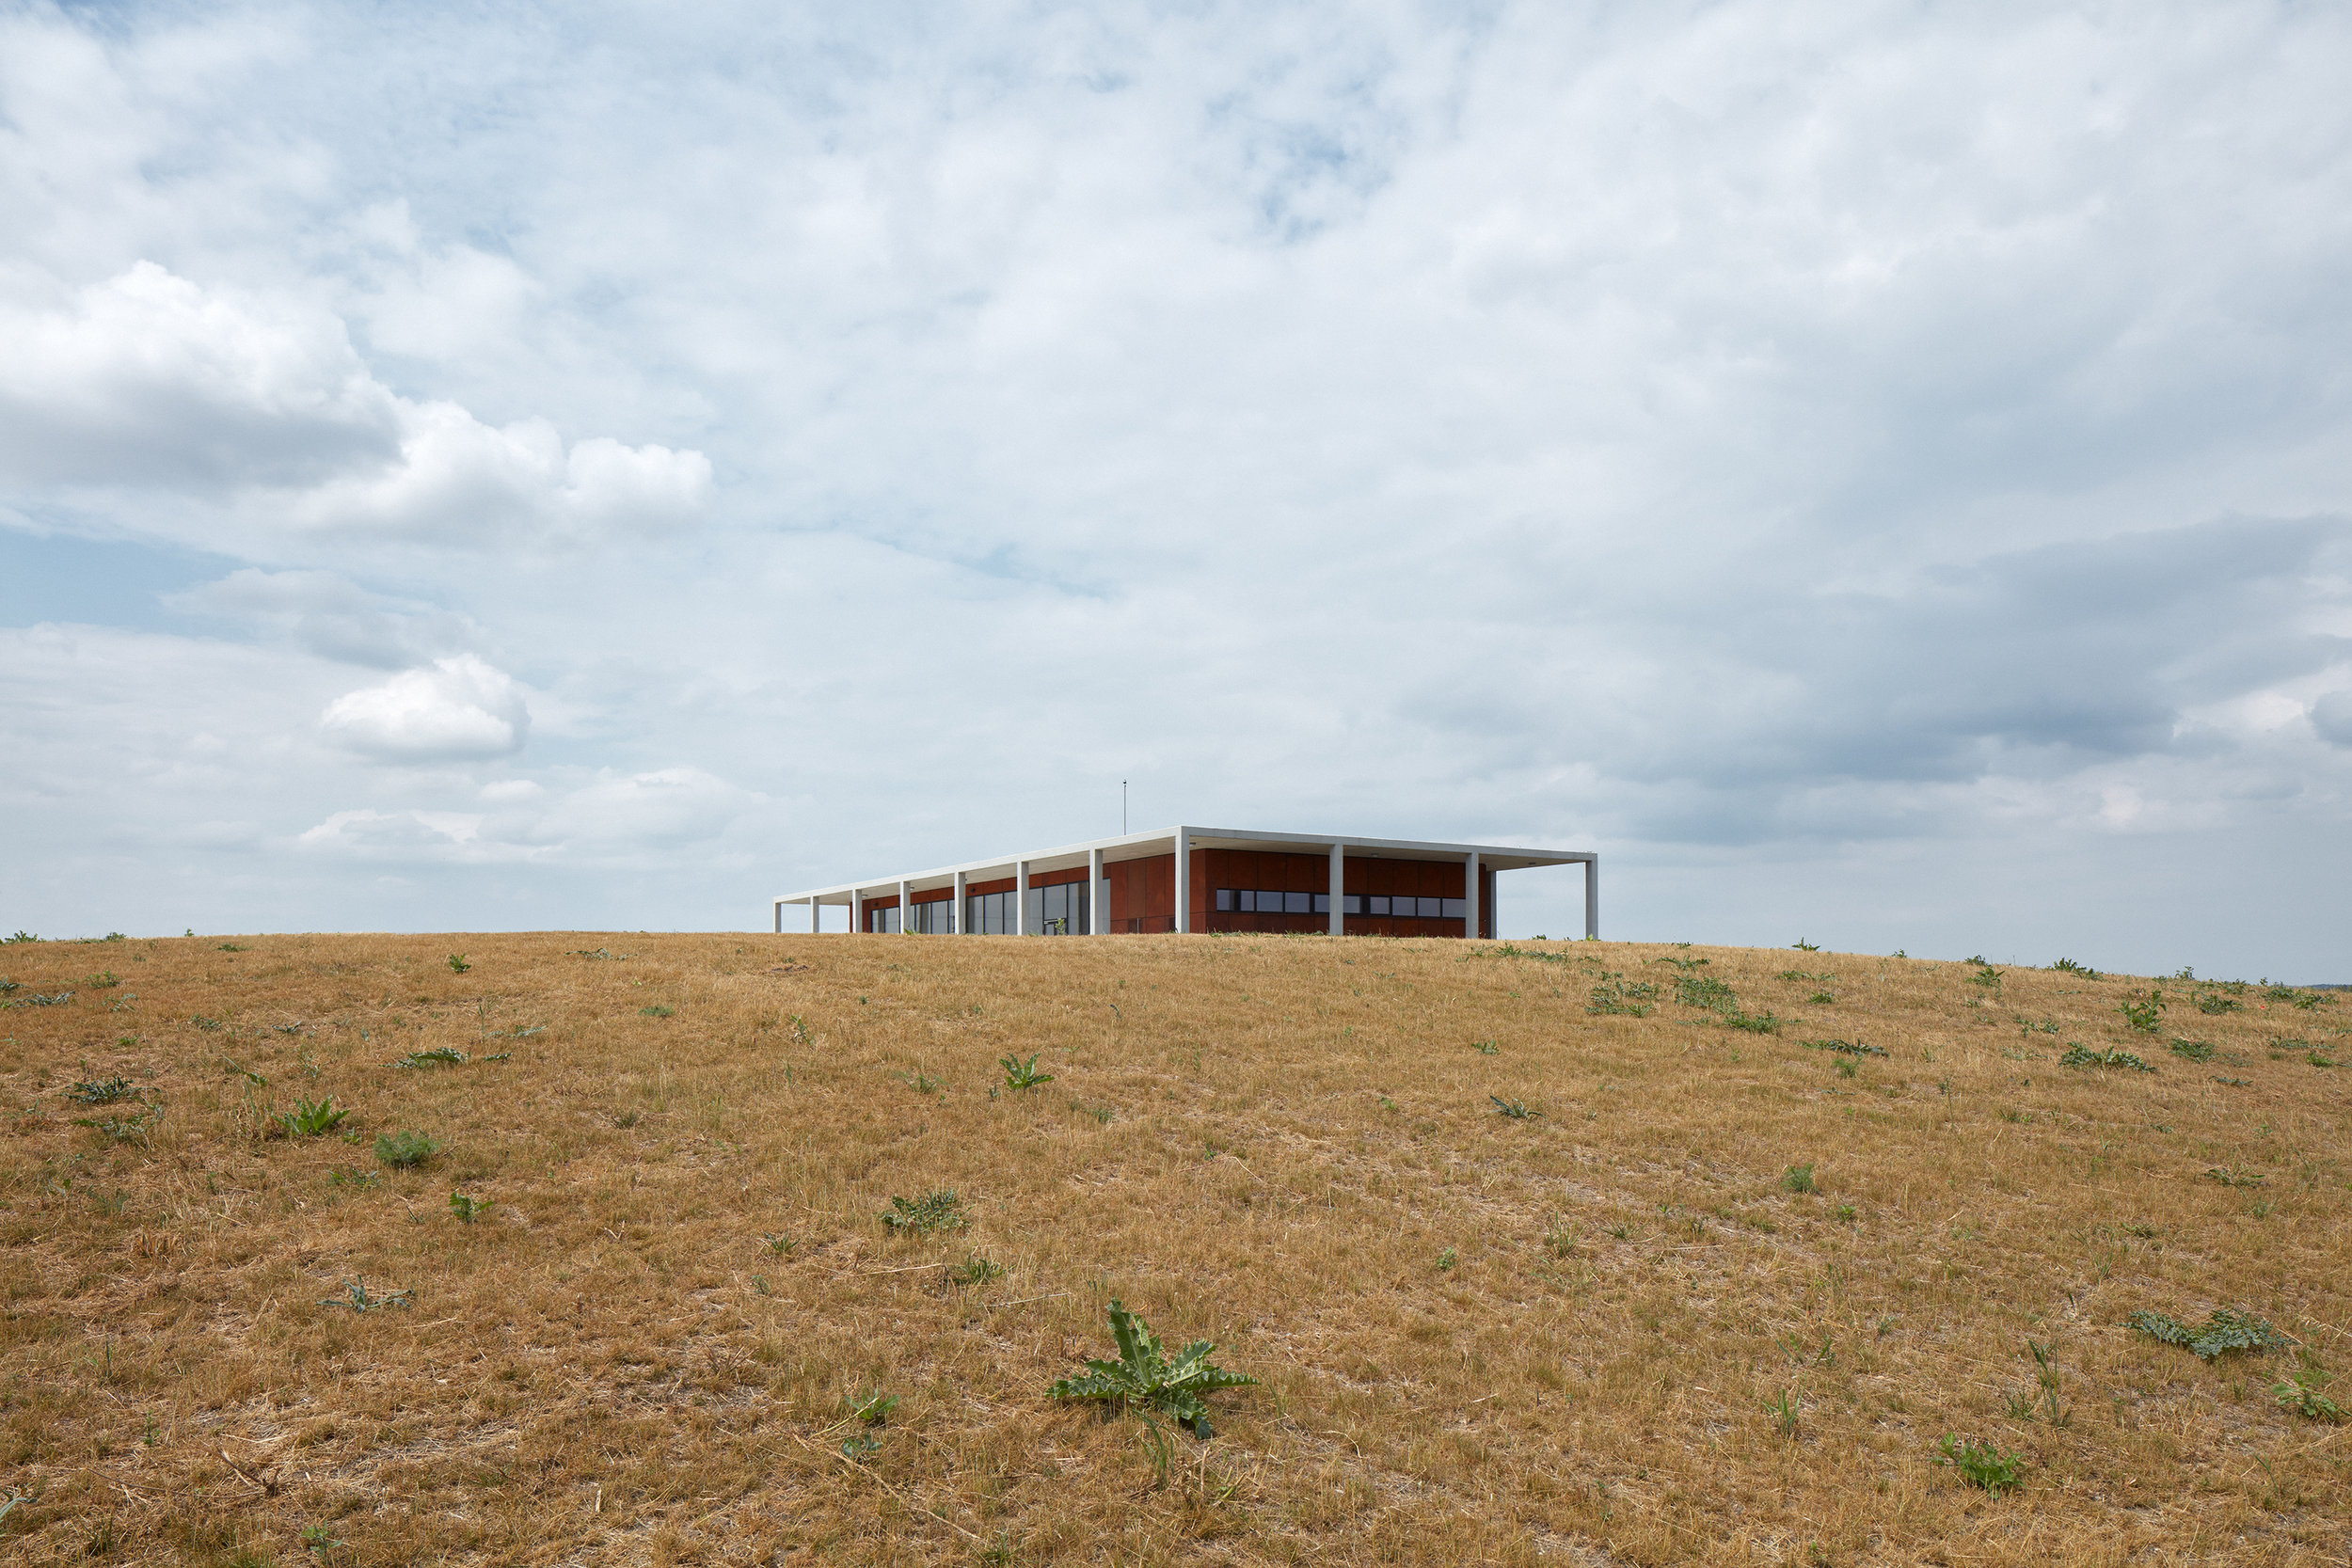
{"x": 1717, "y": 1297}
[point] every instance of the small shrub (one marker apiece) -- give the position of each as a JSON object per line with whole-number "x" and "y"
{"x": 311, "y": 1118}
{"x": 104, "y": 980}
{"x": 941, "y": 1210}
{"x": 1986, "y": 975}
{"x": 875, "y": 1408}
{"x": 1982, "y": 1465}
{"x": 2223, "y": 1332}
{"x": 1755, "y": 1024}
{"x": 2215, "y": 1002}
{"x": 405, "y": 1150}
{"x": 2196, "y": 1050}
{"x": 2083, "y": 1056}
{"x": 1803, "y": 946}
{"x": 1798, "y": 1179}
{"x": 2144, "y": 1015}
{"x": 781, "y": 1245}
{"x": 1022, "y": 1075}
{"x": 440, "y": 1055}
{"x": 132, "y": 1128}
{"x": 2068, "y": 966}
{"x": 656, "y": 1010}
{"x": 465, "y": 1210}
{"x": 1820, "y": 999}
{"x": 1485, "y": 1048}
{"x": 1512, "y": 1108}
{"x": 1144, "y": 1376}
{"x": 457, "y": 964}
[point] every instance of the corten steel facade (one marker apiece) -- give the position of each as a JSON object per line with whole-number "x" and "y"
{"x": 1203, "y": 880}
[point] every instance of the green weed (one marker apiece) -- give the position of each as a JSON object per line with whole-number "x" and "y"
{"x": 1803, "y": 946}
{"x": 457, "y": 964}
{"x": 1022, "y": 1075}
{"x": 1783, "y": 1412}
{"x": 405, "y": 1150}
{"x": 440, "y": 1055}
{"x": 933, "y": 1211}
{"x": 1615, "y": 994}
{"x": 1704, "y": 993}
{"x": 1485, "y": 1048}
{"x": 2083, "y": 1056}
{"x": 1144, "y": 1376}
{"x": 1512, "y": 1108}
{"x": 1982, "y": 1465}
{"x": 2298, "y": 1396}
{"x": 103, "y": 1091}
{"x": 311, "y": 1118}
{"x": 2068, "y": 966}
{"x": 1798, "y": 1179}
{"x": 2196, "y": 1050}
{"x": 2145, "y": 1015}
{"x": 465, "y": 1210}
{"x": 1845, "y": 1047}
{"x": 2225, "y": 1331}
{"x": 2230, "y": 1176}
{"x": 656, "y": 1010}
{"x": 975, "y": 1269}
{"x": 359, "y": 1300}
{"x": 1755, "y": 1023}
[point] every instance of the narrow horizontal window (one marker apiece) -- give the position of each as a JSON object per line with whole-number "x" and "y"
{"x": 1352, "y": 903}
{"x": 1322, "y": 903}
{"x": 1456, "y": 909}
{"x": 1379, "y": 903}
{"x": 1298, "y": 903}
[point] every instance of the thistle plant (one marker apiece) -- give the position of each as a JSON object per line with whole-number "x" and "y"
{"x": 311, "y": 1118}
{"x": 1143, "y": 1375}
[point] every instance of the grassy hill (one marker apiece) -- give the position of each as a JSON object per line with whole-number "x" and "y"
{"x": 1772, "y": 1226}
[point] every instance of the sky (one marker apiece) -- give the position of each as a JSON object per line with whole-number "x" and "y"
{"x": 1877, "y": 474}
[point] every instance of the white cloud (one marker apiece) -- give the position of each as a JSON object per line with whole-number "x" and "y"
{"x": 261, "y": 408}
{"x": 459, "y": 709}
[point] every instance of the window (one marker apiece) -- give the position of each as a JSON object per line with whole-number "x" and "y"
{"x": 1379, "y": 904}
{"x": 1299, "y": 903}
{"x": 1225, "y": 900}
{"x": 882, "y": 920}
{"x": 1452, "y": 909}
{"x": 1322, "y": 903}
{"x": 931, "y": 918}
{"x": 1352, "y": 903}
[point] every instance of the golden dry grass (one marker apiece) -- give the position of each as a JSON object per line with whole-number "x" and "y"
{"x": 1482, "y": 1338}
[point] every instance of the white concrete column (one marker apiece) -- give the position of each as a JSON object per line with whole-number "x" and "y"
{"x": 1592, "y": 897}
{"x": 779, "y": 917}
{"x": 1470, "y": 887}
{"x": 954, "y": 917}
{"x": 1020, "y": 898}
{"x": 1183, "y": 879}
{"x": 906, "y": 911}
{"x": 1098, "y": 917}
{"x": 857, "y": 914}
{"x": 1339, "y": 890}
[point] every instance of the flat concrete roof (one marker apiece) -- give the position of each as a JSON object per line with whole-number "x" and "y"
{"x": 1162, "y": 841}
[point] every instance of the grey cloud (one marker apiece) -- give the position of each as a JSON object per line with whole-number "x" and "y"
{"x": 332, "y": 617}
{"x": 2331, "y": 716}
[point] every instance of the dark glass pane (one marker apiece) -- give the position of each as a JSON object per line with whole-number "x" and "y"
{"x": 1456, "y": 909}
{"x": 1379, "y": 903}
{"x": 1224, "y": 900}
{"x": 1430, "y": 908}
{"x": 1299, "y": 903}
{"x": 1351, "y": 903}
{"x": 1322, "y": 903}
{"x": 1248, "y": 901}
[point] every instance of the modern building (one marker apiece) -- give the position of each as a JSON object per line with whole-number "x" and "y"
{"x": 1203, "y": 880}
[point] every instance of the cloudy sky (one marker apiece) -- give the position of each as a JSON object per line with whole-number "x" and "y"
{"x": 1877, "y": 474}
